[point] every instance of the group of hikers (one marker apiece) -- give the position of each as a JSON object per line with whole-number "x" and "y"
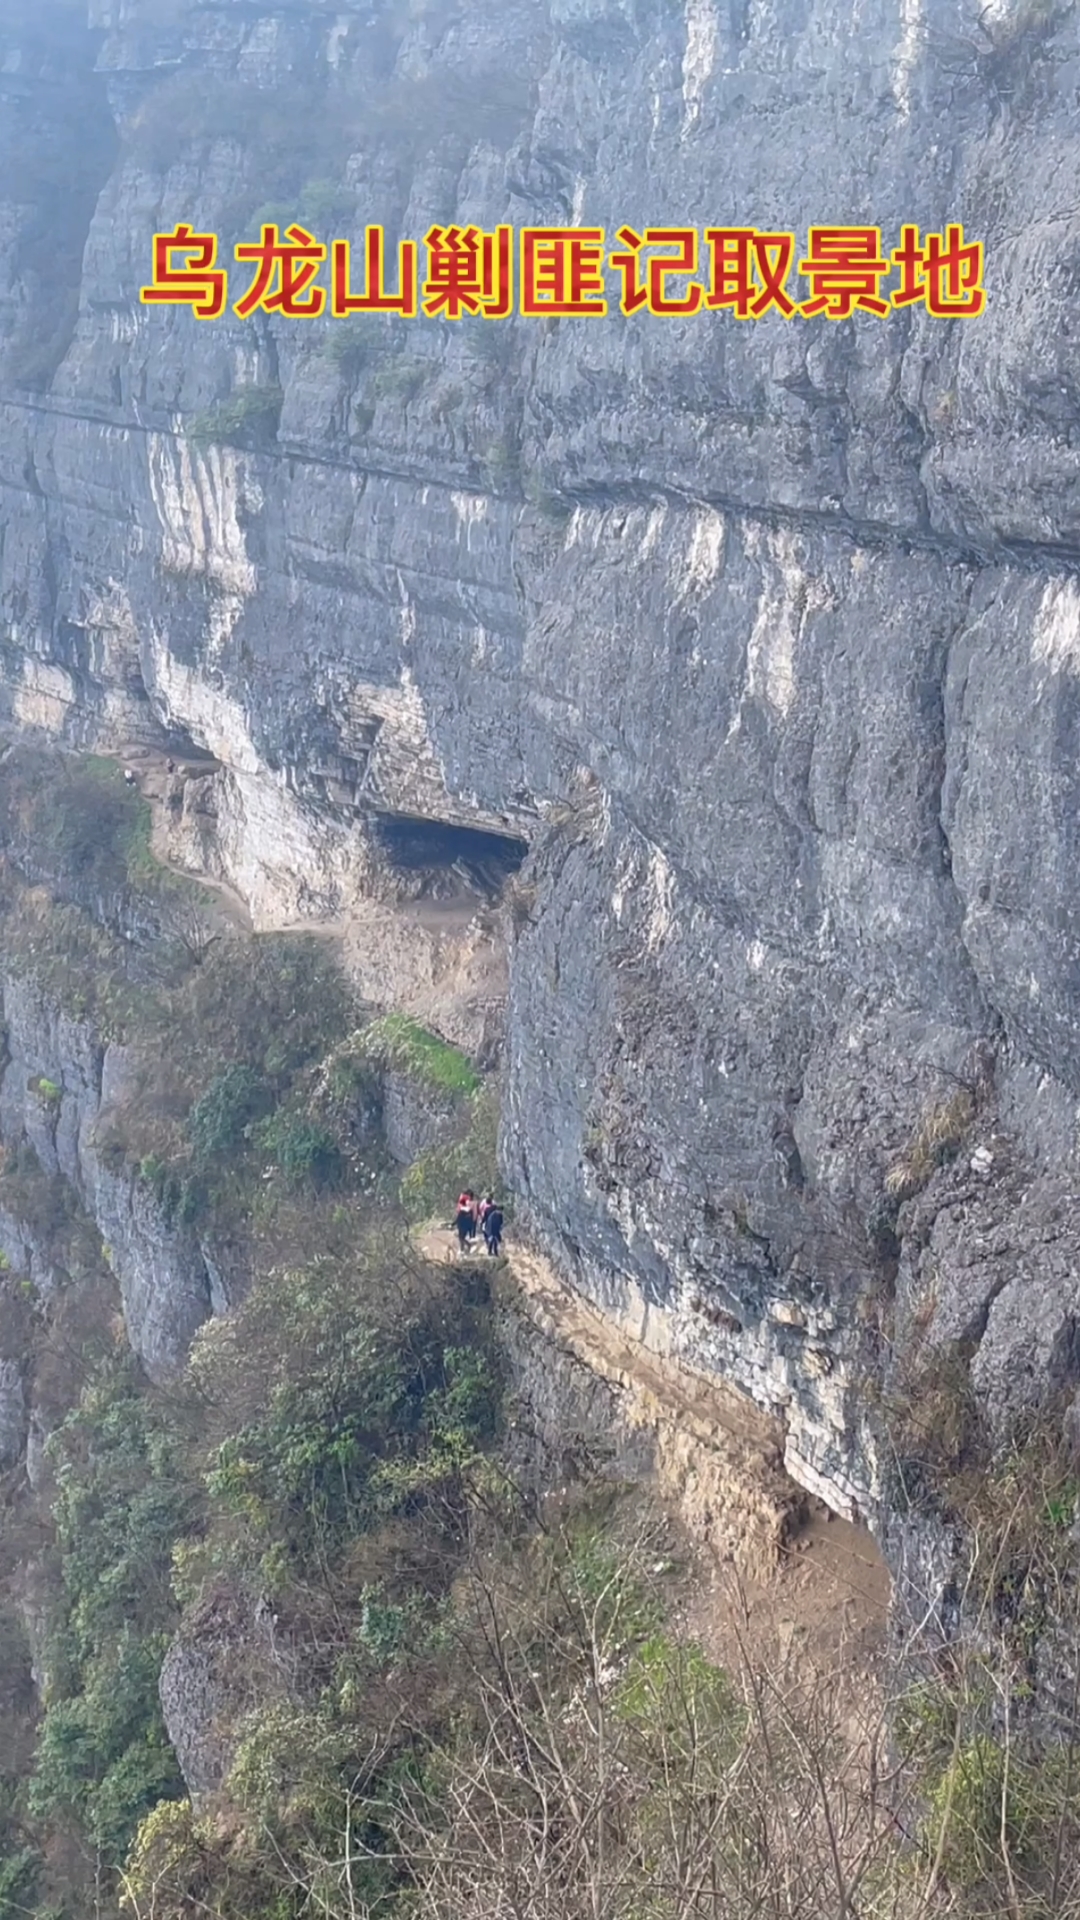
{"x": 474, "y": 1214}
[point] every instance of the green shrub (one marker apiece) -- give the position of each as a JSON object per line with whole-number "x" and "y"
{"x": 20, "y": 1872}
{"x": 364, "y": 340}
{"x": 103, "y": 1753}
{"x": 77, "y": 822}
{"x": 270, "y": 214}
{"x": 269, "y": 1005}
{"x": 248, "y": 419}
{"x": 400, "y": 379}
{"x": 924, "y": 1723}
{"x": 387, "y": 1628}
{"x": 986, "y": 1808}
{"x": 235, "y": 1062}
{"x": 325, "y": 204}
{"x": 665, "y": 1682}
{"x": 608, "y": 1589}
{"x": 302, "y": 1148}
{"x": 218, "y": 1121}
{"x": 458, "y": 1422}
{"x": 180, "y": 1863}
{"x": 397, "y": 1041}
{"x": 368, "y": 1399}
{"x": 320, "y": 206}
{"x": 103, "y": 1758}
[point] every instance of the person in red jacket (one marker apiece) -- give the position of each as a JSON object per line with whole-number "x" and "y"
{"x": 466, "y": 1220}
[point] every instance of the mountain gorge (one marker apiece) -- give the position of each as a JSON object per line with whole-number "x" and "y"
{"x": 675, "y": 717}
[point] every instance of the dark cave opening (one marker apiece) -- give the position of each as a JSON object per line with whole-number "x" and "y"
{"x": 479, "y": 861}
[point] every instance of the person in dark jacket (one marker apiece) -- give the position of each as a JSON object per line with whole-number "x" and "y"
{"x": 464, "y": 1221}
{"x": 493, "y": 1226}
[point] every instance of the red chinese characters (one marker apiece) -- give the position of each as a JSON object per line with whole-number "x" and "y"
{"x": 743, "y": 271}
{"x": 200, "y": 284}
{"x": 286, "y": 269}
{"x": 946, "y": 273}
{"x": 375, "y": 298}
{"x": 652, "y": 292}
{"x": 749, "y": 270}
{"x": 562, "y": 271}
{"x": 469, "y": 272}
{"x": 845, "y": 270}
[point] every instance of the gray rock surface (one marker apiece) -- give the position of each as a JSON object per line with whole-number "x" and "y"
{"x": 777, "y": 626}
{"x": 164, "y": 1282}
{"x": 37, "y": 1462}
{"x": 413, "y": 1114}
{"x": 13, "y": 1415}
{"x": 203, "y": 1686}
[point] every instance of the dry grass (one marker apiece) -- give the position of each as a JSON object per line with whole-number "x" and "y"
{"x": 520, "y": 897}
{"x": 936, "y": 1140}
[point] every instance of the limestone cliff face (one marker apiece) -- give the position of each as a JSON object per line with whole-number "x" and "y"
{"x": 57, "y": 1085}
{"x": 766, "y": 637}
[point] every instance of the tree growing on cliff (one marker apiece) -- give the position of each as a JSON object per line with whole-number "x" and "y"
{"x": 103, "y": 1758}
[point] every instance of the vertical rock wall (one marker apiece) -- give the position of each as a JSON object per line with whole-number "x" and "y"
{"x": 765, "y": 636}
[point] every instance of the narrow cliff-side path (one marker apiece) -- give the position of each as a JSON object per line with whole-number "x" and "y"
{"x": 151, "y": 768}
{"x": 779, "y": 1576}
{"x": 439, "y": 960}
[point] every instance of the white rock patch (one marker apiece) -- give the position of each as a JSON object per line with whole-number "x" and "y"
{"x": 699, "y": 57}
{"x": 1055, "y": 640}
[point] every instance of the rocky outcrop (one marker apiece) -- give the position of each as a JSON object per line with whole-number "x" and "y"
{"x": 764, "y": 636}
{"x": 59, "y": 1081}
{"x": 414, "y": 1115}
{"x": 208, "y": 1678}
{"x": 607, "y": 1395}
{"x": 13, "y": 1413}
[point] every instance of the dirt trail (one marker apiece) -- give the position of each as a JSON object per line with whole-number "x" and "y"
{"x": 151, "y": 767}
{"x": 815, "y": 1588}
{"x": 779, "y": 1574}
{"x": 432, "y": 916}
{"x": 575, "y": 1323}
{"x": 439, "y": 960}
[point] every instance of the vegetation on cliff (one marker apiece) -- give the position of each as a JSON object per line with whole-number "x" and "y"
{"x": 311, "y": 1468}
{"x": 402, "y": 1043}
{"x": 303, "y": 1632}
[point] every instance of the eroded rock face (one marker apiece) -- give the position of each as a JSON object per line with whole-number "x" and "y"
{"x": 55, "y": 1087}
{"x": 765, "y": 636}
{"x": 414, "y": 1116}
{"x": 13, "y": 1413}
{"x": 206, "y": 1681}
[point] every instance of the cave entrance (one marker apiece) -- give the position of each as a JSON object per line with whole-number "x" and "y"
{"x": 441, "y": 860}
